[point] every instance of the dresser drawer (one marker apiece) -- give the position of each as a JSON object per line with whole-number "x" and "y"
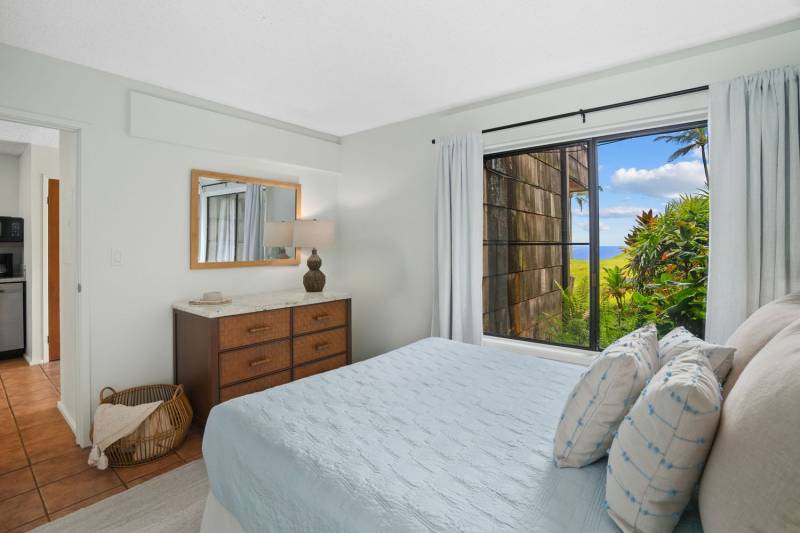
{"x": 243, "y": 330}
{"x": 255, "y": 385}
{"x": 318, "y": 345}
{"x": 320, "y": 366}
{"x": 316, "y": 317}
{"x": 245, "y": 363}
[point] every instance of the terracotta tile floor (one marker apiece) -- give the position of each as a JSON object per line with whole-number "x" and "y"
{"x": 43, "y": 473}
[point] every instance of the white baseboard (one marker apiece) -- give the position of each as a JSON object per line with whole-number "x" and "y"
{"x": 68, "y": 419}
{"x": 575, "y": 356}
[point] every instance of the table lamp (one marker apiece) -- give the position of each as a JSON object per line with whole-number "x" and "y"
{"x": 314, "y": 234}
{"x": 280, "y": 235}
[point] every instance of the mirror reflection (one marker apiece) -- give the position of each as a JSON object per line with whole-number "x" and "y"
{"x": 243, "y": 220}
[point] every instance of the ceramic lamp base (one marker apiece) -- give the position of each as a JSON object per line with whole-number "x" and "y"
{"x": 314, "y": 279}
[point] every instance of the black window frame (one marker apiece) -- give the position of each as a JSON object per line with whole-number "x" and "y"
{"x": 594, "y": 215}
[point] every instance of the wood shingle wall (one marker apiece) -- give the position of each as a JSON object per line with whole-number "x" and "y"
{"x": 523, "y": 253}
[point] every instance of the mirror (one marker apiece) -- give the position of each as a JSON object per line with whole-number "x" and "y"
{"x": 241, "y": 221}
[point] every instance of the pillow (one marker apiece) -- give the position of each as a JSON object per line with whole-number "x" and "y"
{"x": 602, "y": 397}
{"x": 660, "y": 448}
{"x": 751, "y": 481}
{"x": 681, "y": 340}
{"x": 755, "y": 332}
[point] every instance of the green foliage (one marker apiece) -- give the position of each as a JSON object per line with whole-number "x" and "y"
{"x": 660, "y": 278}
{"x": 572, "y": 325}
{"x": 669, "y": 265}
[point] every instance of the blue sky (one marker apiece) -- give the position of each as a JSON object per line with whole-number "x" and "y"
{"x": 635, "y": 175}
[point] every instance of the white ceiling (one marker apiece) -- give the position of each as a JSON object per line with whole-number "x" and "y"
{"x": 342, "y": 66}
{"x": 18, "y": 134}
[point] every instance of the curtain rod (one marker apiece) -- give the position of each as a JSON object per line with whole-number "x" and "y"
{"x": 583, "y": 112}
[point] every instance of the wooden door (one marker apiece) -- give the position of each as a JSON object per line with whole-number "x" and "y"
{"x": 53, "y": 263}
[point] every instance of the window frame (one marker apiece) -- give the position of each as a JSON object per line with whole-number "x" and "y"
{"x": 592, "y": 144}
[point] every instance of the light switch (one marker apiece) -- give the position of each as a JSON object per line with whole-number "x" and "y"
{"x": 116, "y": 257}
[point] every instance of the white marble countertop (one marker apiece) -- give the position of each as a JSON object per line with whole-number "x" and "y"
{"x": 11, "y": 280}
{"x": 252, "y": 303}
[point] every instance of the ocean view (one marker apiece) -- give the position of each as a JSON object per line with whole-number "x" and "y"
{"x": 606, "y": 252}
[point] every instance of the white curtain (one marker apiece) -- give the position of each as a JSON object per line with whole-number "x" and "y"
{"x": 754, "y": 135}
{"x": 253, "y": 224}
{"x": 221, "y": 243}
{"x": 458, "y": 239}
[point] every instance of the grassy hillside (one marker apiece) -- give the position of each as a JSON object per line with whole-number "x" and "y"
{"x": 579, "y": 268}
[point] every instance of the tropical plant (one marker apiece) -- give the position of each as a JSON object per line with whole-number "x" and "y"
{"x": 668, "y": 265}
{"x": 691, "y": 139}
{"x": 571, "y": 326}
{"x": 616, "y": 287}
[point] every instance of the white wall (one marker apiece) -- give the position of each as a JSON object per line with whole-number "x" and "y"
{"x": 9, "y": 185}
{"x": 386, "y": 192}
{"x": 35, "y": 162}
{"x": 133, "y": 196}
{"x": 72, "y": 376}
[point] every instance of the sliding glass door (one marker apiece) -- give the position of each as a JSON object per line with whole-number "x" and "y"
{"x": 585, "y": 241}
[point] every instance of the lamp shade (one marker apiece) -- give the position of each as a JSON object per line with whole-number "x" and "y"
{"x": 314, "y": 233}
{"x": 278, "y": 233}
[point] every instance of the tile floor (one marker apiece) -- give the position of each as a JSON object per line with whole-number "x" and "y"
{"x": 43, "y": 473}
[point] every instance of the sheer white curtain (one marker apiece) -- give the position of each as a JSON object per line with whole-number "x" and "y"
{"x": 221, "y": 243}
{"x": 253, "y": 224}
{"x": 458, "y": 239}
{"x": 755, "y": 196}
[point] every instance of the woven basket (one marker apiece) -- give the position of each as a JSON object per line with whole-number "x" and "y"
{"x": 162, "y": 431}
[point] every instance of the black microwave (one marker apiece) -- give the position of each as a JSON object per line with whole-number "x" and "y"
{"x": 11, "y": 229}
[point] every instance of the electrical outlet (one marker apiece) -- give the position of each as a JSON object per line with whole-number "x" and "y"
{"x": 116, "y": 257}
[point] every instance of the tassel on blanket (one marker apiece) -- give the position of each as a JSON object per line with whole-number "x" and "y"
{"x": 113, "y": 422}
{"x": 98, "y": 458}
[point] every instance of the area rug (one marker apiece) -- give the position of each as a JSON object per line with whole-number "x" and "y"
{"x": 172, "y": 502}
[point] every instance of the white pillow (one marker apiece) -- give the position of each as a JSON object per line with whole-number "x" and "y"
{"x": 660, "y": 448}
{"x": 602, "y": 397}
{"x": 681, "y": 340}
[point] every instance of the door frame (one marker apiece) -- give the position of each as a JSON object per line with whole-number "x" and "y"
{"x": 80, "y": 420}
{"x": 45, "y": 306}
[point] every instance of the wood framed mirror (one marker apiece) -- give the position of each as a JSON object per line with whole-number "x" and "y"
{"x": 240, "y": 221}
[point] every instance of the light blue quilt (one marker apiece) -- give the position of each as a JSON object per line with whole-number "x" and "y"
{"x": 435, "y": 436}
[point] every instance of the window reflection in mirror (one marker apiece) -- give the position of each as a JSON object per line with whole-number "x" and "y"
{"x": 242, "y": 221}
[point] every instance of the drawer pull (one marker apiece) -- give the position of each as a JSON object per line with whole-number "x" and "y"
{"x": 259, "y": 328}
{"x": 259, "y": 362}
{"x": 322, "y": 318}
{"x": 322, "y": 346}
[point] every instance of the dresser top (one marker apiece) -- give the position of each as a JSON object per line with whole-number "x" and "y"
{"x": 252, "y": 303}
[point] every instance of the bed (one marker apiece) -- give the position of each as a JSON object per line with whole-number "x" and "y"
{"x": 435, "y": 436}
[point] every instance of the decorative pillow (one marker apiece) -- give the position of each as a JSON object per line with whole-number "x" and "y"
{"x": 602, "y": 397}
{"x": 751, "y": 481}
{"x": 681, "y": 340}
{"x": 660, "y": 448}
{"x": 755, "y": 332}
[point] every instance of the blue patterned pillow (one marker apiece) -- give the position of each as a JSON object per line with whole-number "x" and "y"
{"x": 681, "y": 340}
{"x": 661, "y": 446}
{"x": 603, "y": 396}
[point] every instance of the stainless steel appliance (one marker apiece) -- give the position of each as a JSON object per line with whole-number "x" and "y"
{"x": 12, "y": 319}
{"x": 11, "y": 229}
{"x": 6, "y": 265}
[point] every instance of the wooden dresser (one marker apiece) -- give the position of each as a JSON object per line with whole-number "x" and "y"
{"x": 256, "y": 342}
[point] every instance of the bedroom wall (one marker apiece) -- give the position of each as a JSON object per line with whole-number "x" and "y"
{"x": 387, "y": 186}
{"x": 134, "y": 197}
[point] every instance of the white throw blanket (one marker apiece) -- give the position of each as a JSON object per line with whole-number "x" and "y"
{"x": 111, "y": 423}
